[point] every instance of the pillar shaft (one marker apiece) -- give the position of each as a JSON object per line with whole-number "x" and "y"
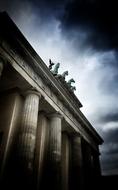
{"x": 96, "y": 172}
{"x": 27, "y": 134}
{"x": 9, "y": 120}
{"x": 55, "y": 152}
{"x": 87, "y": 162}
{"x": 96, "y": 164}
{"x": 41, "y": 149}
{"x": 1, "y": 67}
{"x": 65, "y": 161}
{"x": 77, "y": 163}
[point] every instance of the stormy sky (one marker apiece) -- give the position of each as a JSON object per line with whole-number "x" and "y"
{"x": 83, "y": 36}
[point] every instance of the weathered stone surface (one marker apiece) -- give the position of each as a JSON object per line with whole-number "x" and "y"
{"x": 1, "y": 66}
{"x": 76, "y": 163}
{"x": 27, "y": 133}
{"x": 54, "y": 152}
{"x": 41, "y": 149}
{"x": 65, "y": 163}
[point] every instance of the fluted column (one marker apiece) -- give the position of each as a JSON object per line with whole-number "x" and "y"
{"x": 96, "y": 171}
{"x": 11, "y": 105}
{"x": 41, "y": 149}
{"x": 27, "y": 133}
{"x": 54, "y": 154}
{"x": 1, "y": 66}
{"x": 96, "y": 164}
{"x": 77, "y": 163}
{"x": 65, "y": 161}
{"x": 87, "y": 162}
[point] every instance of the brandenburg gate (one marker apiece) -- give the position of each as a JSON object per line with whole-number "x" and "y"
{"x": 45, "y": 139}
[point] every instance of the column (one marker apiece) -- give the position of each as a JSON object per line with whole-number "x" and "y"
{"x": 27, "y": 134}
{"x": 96, "y": 169}
{"x": 96, "y": 164}
{"x": 77, "y": 163}
{"x": 1, "y": 66}
{"x": 87, "y": 163}
{"x": 11, "y": 105}
{"x": 54, "y": 152}
{"x": 65, "y": 161}
{"x": 41, "y": 149}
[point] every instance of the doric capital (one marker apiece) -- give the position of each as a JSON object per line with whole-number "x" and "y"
{"x": 75, "y": 135}
{"x": 55, "y": 114}
{"x": 32, "y": 91}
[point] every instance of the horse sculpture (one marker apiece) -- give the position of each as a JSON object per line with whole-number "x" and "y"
{"x": 55, "y": 71}
{"x": 70, "y": 81}
{"x": 73, "y": 88}
{"x": 64, "y": 74}
{"x": 61, "y": 77}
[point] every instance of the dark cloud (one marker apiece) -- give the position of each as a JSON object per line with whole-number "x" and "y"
{"x": 44, "y": 8}
{"x": 110, "y": 117}
{"x": 109, "y": 159}
{"x": 95, "y": 21}
{"x": 111, "y": 136}
{"x": 48, "y": 9}
{"x": 110, "y": 164}
{"x": 98, "y": 18}
{"x": 110, "y": 83}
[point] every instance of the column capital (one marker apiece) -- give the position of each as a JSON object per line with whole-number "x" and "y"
{"x": 75, "y": 134}
{"x": 32, "y": 91}
{"x": 55, "y": 114}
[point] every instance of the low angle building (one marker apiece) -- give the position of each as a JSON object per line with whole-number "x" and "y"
{"x": 45, "y": 139}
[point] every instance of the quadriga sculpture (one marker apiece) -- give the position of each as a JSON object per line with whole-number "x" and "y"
{"x": 55, "y": 71}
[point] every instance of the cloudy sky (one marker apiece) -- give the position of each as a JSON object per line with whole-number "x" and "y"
{"x": 83, "y": 36}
